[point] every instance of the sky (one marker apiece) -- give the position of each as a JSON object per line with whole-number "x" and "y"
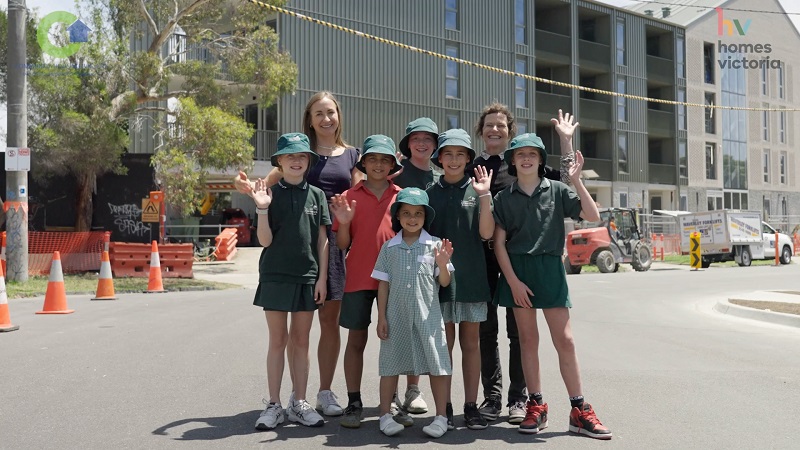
{"x": 48, "y": 6}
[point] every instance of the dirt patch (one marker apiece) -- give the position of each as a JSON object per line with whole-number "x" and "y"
{"x": 781, "y": 307}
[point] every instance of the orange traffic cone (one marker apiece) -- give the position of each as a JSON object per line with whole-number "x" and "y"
{"x": 55, "y": 298}
{"x": 154, "y": 284}
{"x": 105, "y": 284}
{"x": 5, "y": 317}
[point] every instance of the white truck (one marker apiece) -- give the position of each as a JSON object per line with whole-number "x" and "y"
{"x": 733, "y": 235}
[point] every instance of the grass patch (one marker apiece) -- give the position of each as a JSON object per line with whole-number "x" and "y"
{"x": 684, "y": 260}
{"x": 781, "y": 307}
{"x": 87, "y": 284}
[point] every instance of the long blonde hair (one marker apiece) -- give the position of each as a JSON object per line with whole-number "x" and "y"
{"x": 309, "y": 130}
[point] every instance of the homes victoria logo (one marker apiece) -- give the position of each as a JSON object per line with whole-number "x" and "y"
{"x": 77, "y": 30}
{"x": 734, "y": 55}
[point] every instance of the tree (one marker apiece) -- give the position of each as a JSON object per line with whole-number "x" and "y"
{"x": 82, "y": 116}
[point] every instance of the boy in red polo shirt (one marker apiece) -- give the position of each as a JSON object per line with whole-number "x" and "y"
{"x": 363, "y": 222}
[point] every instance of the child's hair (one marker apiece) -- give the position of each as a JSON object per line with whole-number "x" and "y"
{"x": 497, "y": 107}
{"x": 309, "y": 130}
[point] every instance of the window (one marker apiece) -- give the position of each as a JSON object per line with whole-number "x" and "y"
{"x": 622, "y": 102}
{"x": 708, "y": 63}
{"x": 682, "y": 109}
{"x": 622, "y": 156}
{"x": 522, "y": 127}
{"x": 587, "y": 30}
{"x": 521, "y": 84}
{"x": 682, "y": 158}
{"x": 781, "y": 93}
{"x": 451, "y": 87}
{"x": 784, "y": 207}
{"x": 735, "y": 200}
{"x": 452, "y": 121}
{"x": 589, "y": 144}
{"x": 621, "y": 41}
{"x": 765, "y": 123}
{"x": 766, "y": 208}
{"x": 714, "y": 200}
{"x": 519, "y": 22}
{"x": 764, "y": 79}
{"x": 681, "y": 60}
{"x": 782, "y": 165}
{"x": 684, "y": 203}
{"x": 623, "y": 199}
{"x": 782, "y": 126}
{"x": 451, "y": 14}
{"x": 711, "y": 161}
{"x": 710, "y": 125}
{"x": 765, "y": 164}
{"x": 590, "y": 82}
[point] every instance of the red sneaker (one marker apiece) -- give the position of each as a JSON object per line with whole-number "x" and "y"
{"x": 585, "y": 421}
{"x": 535, "y": 418}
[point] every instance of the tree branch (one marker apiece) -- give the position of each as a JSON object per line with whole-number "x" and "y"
{"x": 150, "y": 22}
{"x": 151, "y": 109}
{"x": 166, "y": 32}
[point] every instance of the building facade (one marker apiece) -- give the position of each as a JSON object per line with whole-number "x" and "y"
{"x": 740, "y": 159}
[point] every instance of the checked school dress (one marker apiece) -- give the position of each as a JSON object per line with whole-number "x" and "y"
{"x": 417, "y": 344}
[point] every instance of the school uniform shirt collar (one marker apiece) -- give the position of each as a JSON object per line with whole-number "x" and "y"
{"x": 391, "y": 189}
{"x": 461, "y": 184}
{"x": 544, "y": 184}
{"x": 285, "y": 185}
{"x": 424, "y": 238}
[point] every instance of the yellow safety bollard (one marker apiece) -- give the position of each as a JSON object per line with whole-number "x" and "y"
{"x": 694, "y": 251}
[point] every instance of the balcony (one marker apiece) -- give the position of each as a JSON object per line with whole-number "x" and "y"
{"x": 180, "y": 50}
{"x": 547, "y": 105}
{"x": 602, "y": 167}
{"x": 552, "y": 47}
{"x": 661, "y": 173}
{"x": 660, "y": 123}
{"x": 594, "y": 114}
{"x": 594, "y": 55}
{"x": 265, "y": 143}
{"x": 660, "y": 71}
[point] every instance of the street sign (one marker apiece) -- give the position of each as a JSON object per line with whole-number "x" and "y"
{"x": 18, "y": 159}
{"x": 694, "y": 251}
{"x": 150, "y": 210}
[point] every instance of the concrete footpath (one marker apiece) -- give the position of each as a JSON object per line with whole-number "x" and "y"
{"x": 243, "y": 270}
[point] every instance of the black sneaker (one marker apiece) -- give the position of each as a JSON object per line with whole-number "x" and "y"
{"x": 490, "y": 408}
{"x": 352, "y": 415}
{"x": 449, "y": 411}
{"x": 473, "y": 417}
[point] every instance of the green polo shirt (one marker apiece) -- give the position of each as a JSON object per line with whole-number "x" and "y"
{"x": 295, "y": 215}
{"x": 458, "y": 219}
{"x": 412, "y": 176}
{"x": 535, "y": 224}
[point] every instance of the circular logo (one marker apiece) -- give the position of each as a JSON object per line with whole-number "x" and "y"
{"x": 70, "y": 21}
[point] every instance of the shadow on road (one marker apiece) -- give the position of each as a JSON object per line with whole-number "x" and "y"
{"x": 215, "y": 427}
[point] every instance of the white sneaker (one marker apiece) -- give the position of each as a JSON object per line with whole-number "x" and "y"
{"x": 414, "y": 402}
{"x": 388, "y": 426}
{"x": 302, "y": 413}
{"x": 437, "y": 428}
{"x": 327, "y": 403}
{"x": 271, "y": 417}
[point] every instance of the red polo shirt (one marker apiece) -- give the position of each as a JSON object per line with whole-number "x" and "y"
{"x": 370, "y": 228}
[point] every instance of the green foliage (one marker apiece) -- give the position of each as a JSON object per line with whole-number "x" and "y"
{"x": 191, "y": 150}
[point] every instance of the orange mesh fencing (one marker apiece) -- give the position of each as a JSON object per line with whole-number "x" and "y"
{"x": 80, "y": 250}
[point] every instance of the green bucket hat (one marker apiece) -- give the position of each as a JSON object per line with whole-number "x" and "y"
{"x": 382, "y": 145}
{"x": 422, "y": 124}
{"x": 456, "y": 137}
{"x": 415, "y": 197}
{"x": 290, "y": 143}
{"x": 525, "y": 140}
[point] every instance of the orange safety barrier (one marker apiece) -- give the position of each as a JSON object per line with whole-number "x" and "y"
{"x": 133, "y": 260}
{"x": 226, "y": 244}
{"x": 80, "y": 250}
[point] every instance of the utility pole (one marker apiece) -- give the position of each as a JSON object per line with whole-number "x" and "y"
{"x": 16, "y": 204}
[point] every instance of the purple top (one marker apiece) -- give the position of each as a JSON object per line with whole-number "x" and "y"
{"x": 332, "y": 174}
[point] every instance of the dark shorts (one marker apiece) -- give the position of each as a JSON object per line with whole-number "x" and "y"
{"x": 356, "y": 311}
{"x": 289, "y": 297}
{"x": 335, "y": 268}
{"x": 544, "y": 275}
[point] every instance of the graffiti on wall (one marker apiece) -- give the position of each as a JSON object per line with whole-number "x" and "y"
{"x": 128, "y": 219}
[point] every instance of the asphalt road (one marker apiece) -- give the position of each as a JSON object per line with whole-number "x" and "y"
{"x": 186, "y": 370}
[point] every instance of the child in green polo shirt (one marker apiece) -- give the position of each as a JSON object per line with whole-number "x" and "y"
{"x": 293, "y": 269}
{"x": 528, "y": 242}
{"x": 463, "y": 208}
{"x": 417, "y": 146}
{"x": 410, "y": 267}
